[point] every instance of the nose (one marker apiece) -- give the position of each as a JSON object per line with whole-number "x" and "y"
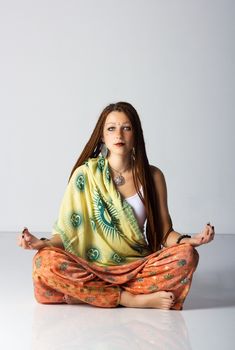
{"x": 119, "y": 133}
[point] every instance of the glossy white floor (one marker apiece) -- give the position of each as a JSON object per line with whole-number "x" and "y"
{"x": 207, "y": 321}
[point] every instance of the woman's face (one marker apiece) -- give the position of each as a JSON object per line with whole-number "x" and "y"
{"x": 118, "y": 134}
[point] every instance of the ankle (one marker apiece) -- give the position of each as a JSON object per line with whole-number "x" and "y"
{"x": 128, "y": 299}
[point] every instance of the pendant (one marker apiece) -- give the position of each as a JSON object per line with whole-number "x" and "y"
{"x": 119, "y": 180}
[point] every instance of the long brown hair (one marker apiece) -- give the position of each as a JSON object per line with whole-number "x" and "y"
{"x": 140, "y": 168}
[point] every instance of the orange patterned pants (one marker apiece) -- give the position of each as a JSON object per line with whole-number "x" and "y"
{"x": 57, "y": 273}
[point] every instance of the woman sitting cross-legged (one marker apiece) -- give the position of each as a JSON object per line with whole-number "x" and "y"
{"x": 113, "y": 242}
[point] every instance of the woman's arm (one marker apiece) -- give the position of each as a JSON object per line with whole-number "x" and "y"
{"x": 55, "y": 241}
{"x": 170, "y": 236}
{"x": 28, "y": 241}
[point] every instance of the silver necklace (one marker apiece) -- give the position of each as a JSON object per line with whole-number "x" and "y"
{"x": 119, "y": 180}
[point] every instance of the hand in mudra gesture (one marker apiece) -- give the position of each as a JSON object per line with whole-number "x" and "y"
{"x": 28, "y": 241}
{"x": 206, "y": 236}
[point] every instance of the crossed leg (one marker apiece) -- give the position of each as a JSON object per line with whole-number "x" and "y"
{"x": 163, "y": 282}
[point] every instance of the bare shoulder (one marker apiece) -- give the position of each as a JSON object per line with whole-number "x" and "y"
{"x": 157, "y": 174}
{"x": 159, "y": 181}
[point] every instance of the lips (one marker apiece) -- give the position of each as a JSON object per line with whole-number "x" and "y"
{"x": 120, "y": 144}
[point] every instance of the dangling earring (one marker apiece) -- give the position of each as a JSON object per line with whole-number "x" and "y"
{"x": 104, "y": 150}
{"x": 133, "y": 154}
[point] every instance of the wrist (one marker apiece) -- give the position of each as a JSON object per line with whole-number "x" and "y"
{"x": 183, "y": 239}
{"x": 46, "y": 242}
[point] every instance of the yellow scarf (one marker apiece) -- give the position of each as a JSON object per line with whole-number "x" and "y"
{"x": 94, "y": 222}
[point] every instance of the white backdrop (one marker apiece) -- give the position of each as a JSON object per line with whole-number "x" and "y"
{"x": 63, "y": 61}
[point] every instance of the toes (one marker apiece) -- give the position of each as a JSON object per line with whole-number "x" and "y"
{"x": 168, "y": 305}
{"x": 171, "y": 295}
{"x": 171, "y": 300}
{"x": 168, "y": 301}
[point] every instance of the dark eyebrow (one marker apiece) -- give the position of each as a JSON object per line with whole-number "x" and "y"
{"x": 116, "y": 123}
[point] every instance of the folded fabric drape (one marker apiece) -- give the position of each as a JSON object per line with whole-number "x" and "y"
{"x": 105, "y": 250}
{"x": 95, "y": 222}
{"x": 57, "y": 273}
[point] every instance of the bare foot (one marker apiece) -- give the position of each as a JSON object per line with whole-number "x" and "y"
{"x": 158, "y": 300}
{"x": 71, "y": 300}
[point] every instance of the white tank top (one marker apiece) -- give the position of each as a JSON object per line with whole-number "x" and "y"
{"x": 139, "y": 209}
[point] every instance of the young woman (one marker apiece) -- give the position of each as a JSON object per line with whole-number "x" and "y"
{"x": 113, "y": 243}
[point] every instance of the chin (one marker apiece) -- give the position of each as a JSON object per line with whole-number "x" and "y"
{"x": 121, "y": 152}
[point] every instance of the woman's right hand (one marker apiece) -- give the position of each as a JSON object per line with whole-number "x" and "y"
{"x": 28, "y": 241}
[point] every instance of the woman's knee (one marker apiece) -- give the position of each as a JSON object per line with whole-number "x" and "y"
{"x": 189, "y": 253}
{"x": 40, "y": 300}
{"x": 38, "y": 260}
{"x": 43, "y": 261}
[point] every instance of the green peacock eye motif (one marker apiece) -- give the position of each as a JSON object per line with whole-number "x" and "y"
{"x": 169, "y": 276}
{"x": 107, "y": 174}
{"x": 93, "y": 254}
{"x": 117, "y": 258}
{"x": 80, "y": 182}
{"x": 106, "y": 216}
{"x": 153, "y": 287}
{"x": 38, "y": 262}
{"x": 101, "y": 163}
{"x": 140, "y": 279}
{"x": 185, "y": 280}
{"x": 76, "y": 220}
{"x": 48, "y": 293}
{"x": 93, "y": 225}
{"x": 64, "y": 266}
{"x": 182, "y": 262}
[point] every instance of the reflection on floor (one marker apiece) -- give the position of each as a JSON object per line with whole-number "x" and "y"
{"x": 207, "y": 321}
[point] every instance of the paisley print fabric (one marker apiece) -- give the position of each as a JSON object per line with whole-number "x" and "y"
{"x": 58, "y": 273}
{"x": 94, "y": 222}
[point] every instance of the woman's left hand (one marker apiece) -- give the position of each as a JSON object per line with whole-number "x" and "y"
{"x": 206, "y": 236}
